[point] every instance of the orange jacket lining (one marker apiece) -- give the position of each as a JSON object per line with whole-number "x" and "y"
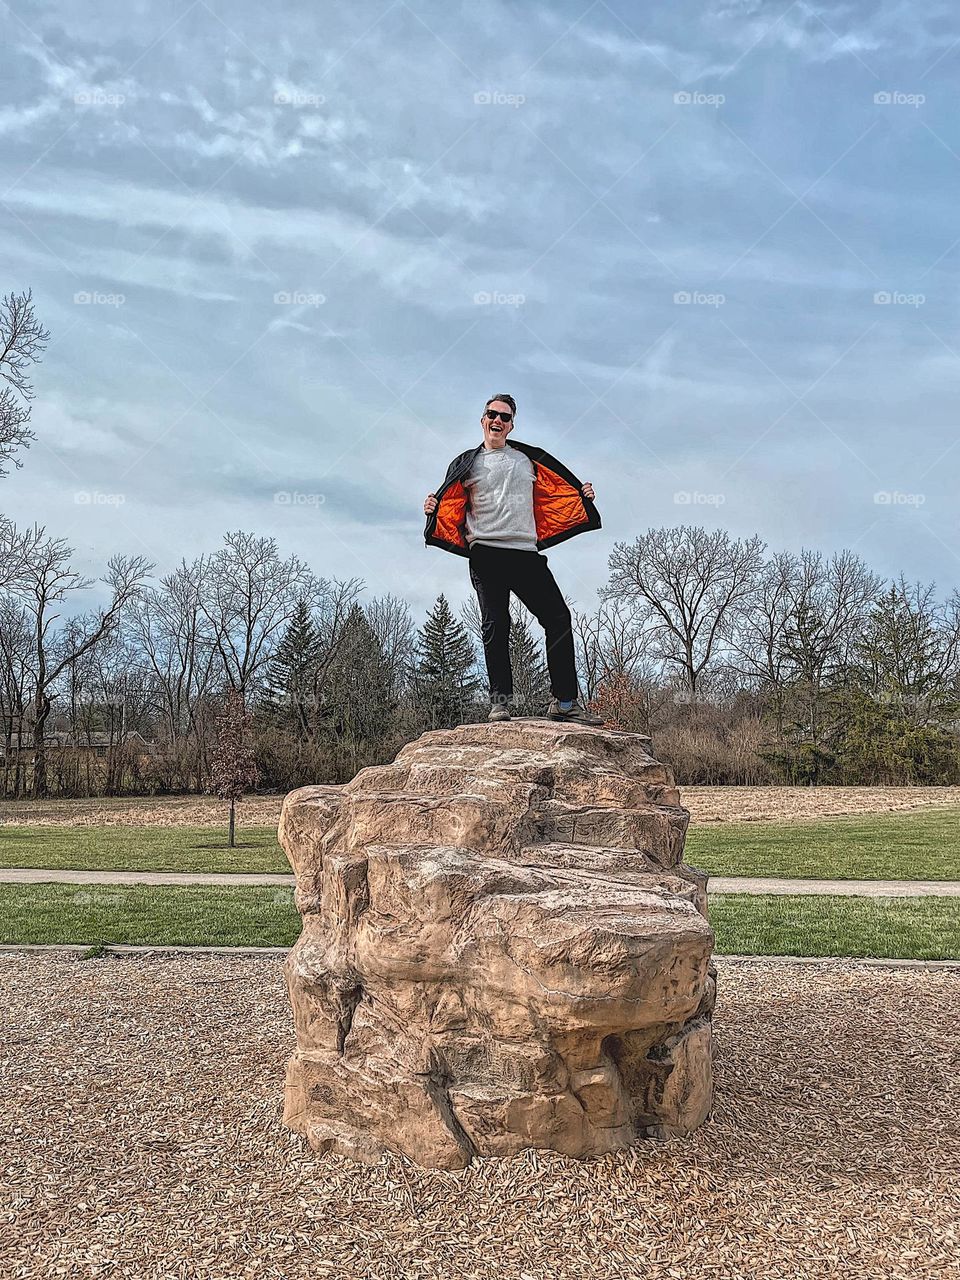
{"x": 557, "y": 506}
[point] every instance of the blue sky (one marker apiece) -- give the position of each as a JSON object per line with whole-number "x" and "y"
{"x": 286, "y": 252}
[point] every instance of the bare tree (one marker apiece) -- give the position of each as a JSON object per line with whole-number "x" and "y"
{"x": 586, "y": 639}
{"x": 45, "y": 581}
{"x": 830, "y": 604}
{"x": 392, "y": 624}
{"x": 758, "y": 632}
{"x": 685, "y": 583}
{"x": 16, "y": 548}
{"x": 109, "y": 694}
{"x": 22, "y": 339}
{"x": 15, "y": 681}
{"x": 247, "y": 595}
{"x": 619, "y": 677}
{"x": 611, "y": 643}
{"x": 177, "y": 642}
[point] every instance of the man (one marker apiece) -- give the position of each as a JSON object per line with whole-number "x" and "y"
{"x": 499, "y": 504}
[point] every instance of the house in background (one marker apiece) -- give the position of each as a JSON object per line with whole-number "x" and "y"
{"x": 96, "y": 743}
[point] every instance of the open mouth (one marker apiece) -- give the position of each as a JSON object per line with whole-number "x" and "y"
{"x": 497, "y": 430}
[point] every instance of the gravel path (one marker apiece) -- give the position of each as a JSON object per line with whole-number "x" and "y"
{"x": 140, "y": 1137}
{"x": 718, "y": 884}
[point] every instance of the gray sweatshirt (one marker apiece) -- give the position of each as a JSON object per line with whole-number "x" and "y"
{"x": 499, "y": 512}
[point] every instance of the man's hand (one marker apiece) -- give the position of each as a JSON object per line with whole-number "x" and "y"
{"x": 429, "y": 504}
{"x": 587, "y": 491}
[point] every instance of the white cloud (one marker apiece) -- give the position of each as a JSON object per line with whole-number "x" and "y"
{"x": 15, "y": 120}
{"x": 686, "y": 65}
{"x": 832, "y": 32}
{"x": 89, "y": 431}
{"x": 407, "y": 267}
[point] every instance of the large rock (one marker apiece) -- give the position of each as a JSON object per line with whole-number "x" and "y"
{"x": 501, "y": 948}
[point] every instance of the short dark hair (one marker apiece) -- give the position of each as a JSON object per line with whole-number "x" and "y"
{"x": 506, "y": 400}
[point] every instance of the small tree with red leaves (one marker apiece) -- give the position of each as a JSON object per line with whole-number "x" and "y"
{"x": 622, "y": 703}
{"x": 234, "y": 769}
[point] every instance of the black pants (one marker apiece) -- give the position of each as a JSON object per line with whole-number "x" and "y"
{"x": 495, "y": 572}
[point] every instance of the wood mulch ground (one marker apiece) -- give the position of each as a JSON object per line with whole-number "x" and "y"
{"x": 140, "y": 1136}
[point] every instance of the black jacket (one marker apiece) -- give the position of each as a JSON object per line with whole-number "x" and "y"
{"x": 560, "y": 510}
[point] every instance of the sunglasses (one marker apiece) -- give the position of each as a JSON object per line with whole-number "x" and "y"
{"x": 494, "y": 414}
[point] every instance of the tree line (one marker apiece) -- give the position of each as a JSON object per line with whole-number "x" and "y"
{"x": 747, "y": 666}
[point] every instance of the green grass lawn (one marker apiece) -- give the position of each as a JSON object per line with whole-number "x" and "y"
{"x": 913, "y": 928}
{"x": 808, "y": 925}
{"x": 198, "y": 915}
{"x": 141, "y": 849}
{"x": 922, "y": 845}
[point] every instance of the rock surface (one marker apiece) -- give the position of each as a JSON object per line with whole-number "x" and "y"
{"x": 501, "y": 948}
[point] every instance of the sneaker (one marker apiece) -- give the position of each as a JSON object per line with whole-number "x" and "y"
{"x": 498, "y": 712}
{"x": 577, "y": 714}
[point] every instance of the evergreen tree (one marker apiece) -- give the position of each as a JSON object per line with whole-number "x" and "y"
{"x": 531, "y": 680}
{"x": 907, "y": 656}
{"x": 443, "y": 680}
{"x": 291, "y": 699}
{"x": 358, "y": 699}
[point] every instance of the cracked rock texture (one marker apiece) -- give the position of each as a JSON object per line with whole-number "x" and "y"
{"x": 501, "y": 948}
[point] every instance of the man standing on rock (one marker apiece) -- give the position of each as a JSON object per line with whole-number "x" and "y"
{"x": 500, "y": 503}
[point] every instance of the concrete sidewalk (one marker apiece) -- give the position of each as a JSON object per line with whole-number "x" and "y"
{"x": 717, "y": 884}
{"x": 844, "y": 888}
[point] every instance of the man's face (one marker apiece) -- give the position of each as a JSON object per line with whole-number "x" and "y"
{"x": 495, "y": 429}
